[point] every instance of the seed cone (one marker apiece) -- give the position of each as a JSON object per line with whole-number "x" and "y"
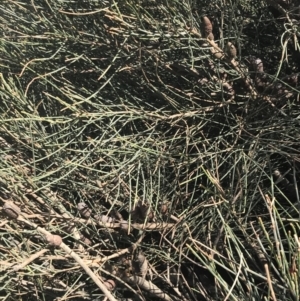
{"x": 206, "y": 28}
{"x": 110, "y": 284}
{"x": 54, "y": 240}
{"x": 230, "y": 50}
{"x": 11, "y": 210}
{"x": 164, "y": 209}
{"x": 84, "y": 210}
{"x": 140, "y": 264}
{"x": 257, "y": 65}
{"x": 85, "y": 240}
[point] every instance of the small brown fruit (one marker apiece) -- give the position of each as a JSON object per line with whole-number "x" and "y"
{"x": 164, "y": 209}
{"x": 11, "y": 210}
{"x": 206, "y": 27}
{"x": 230, "y": 51}
{"x": 124, "y": 260}
{"x": 84, "y": 210}
{"x": 140, "y": 264}
{"x": 85, "y": 240}
{"x": 110, "y": 284}
{"x": 54, "y": 240}
{"x": 257, "y": 65}
{"x": 217, "y": 54}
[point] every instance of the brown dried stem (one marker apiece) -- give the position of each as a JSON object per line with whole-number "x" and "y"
{"x": 76, "y": 257}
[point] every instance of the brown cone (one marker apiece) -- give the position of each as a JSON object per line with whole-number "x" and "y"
{"x": 230, "y": 50}
{"x": 206, "y": 27}
{"x": 11, "y": 210}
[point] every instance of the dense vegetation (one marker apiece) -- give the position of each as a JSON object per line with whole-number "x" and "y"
{"x": 150, "y": 150}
